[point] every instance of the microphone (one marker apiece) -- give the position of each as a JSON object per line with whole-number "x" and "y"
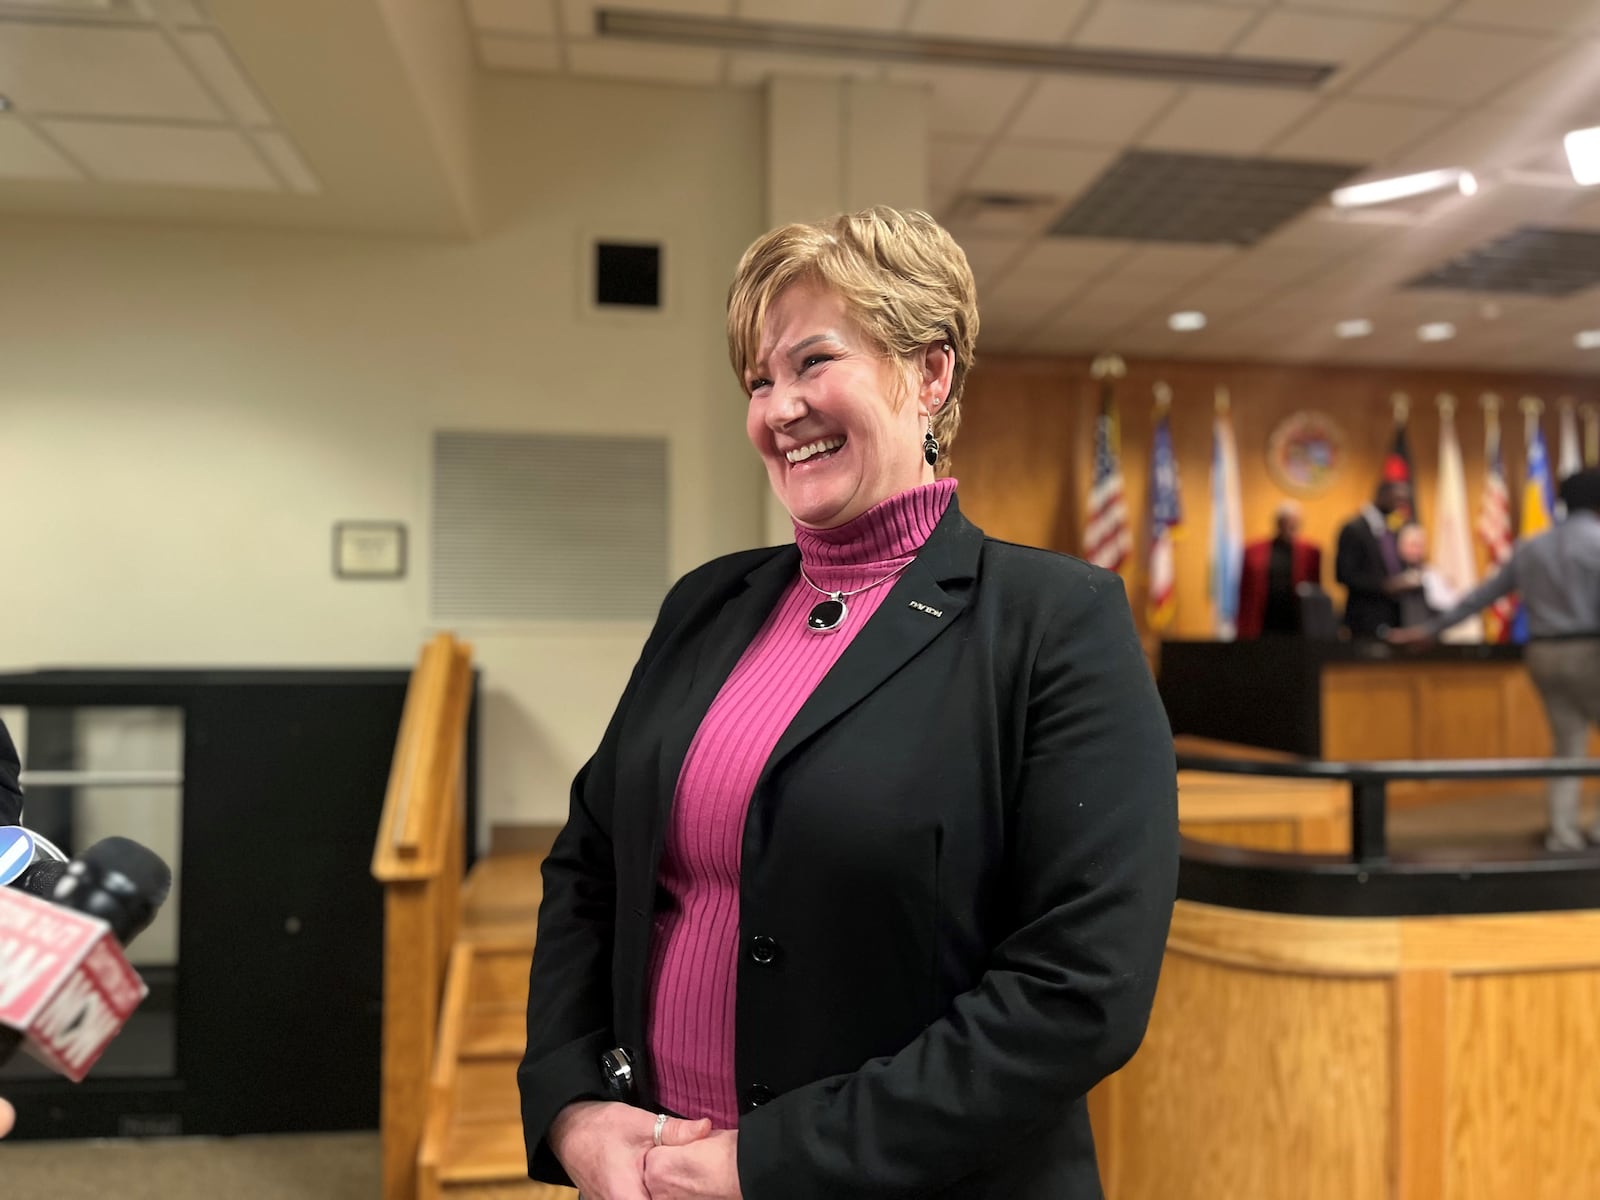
{"x": 65, "y": 987}
{"x": 21, "y": 849}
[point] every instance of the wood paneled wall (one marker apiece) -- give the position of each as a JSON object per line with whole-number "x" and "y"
{"x": 1023, "y": 453}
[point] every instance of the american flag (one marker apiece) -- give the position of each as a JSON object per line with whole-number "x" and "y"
{"x": 1166, "y": 515}
{"x": 1494, "y": 531}
{"x": 1107, "y": 539}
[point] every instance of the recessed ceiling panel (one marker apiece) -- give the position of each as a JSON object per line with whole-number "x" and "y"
{"x": 1155, "y": 197}
{"x": 1533, "y": 261}
{"x": 78, "y": 70}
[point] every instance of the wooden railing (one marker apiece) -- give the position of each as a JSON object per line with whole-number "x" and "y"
{"x": 419, "y": 859}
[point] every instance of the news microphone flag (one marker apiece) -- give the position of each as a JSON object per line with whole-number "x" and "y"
{"x": 65, "y": 985}
{"x": 17, "y": 851}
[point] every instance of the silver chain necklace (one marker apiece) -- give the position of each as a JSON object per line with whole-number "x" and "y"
{"x": 827, "y": 615}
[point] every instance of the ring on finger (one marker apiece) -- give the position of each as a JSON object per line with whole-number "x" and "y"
{"x": 661, "y": 1123}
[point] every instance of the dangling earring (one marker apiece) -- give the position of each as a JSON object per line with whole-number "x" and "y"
{"x": 930, "y": 447}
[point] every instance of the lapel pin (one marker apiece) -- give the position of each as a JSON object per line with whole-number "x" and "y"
{"x": 921, "y": 607}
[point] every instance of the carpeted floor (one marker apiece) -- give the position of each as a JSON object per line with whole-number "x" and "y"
{"x": 319, "y": 1167}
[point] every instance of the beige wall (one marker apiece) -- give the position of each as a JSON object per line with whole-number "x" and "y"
{"x": 184, "y": 413}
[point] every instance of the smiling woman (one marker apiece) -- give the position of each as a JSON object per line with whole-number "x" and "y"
{"x": 868, "y": 882}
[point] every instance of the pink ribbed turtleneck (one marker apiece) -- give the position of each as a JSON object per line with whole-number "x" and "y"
{"x": 695, "y": 951}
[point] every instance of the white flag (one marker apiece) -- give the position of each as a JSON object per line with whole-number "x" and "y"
{"x": 1453, "y": 560}
{"x": 1227, "y": 527}
{"x": 1569, "y": 459}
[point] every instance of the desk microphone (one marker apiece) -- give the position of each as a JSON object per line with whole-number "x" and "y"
{"x": 65, "y": 987}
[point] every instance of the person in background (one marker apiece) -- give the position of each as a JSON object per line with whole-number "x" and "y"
{"x": 1368, "y": 564}
{"x": 1273, "y": 568}
{"x": 1558, "y": 576}
{"x": 1425, "y": 592}
{"x": 869, "y": 880}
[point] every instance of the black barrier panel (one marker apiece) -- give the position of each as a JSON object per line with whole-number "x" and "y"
{"x": 277, "y": 993}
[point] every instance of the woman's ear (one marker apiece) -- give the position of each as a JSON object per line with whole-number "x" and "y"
{"x": 937, "y": 363}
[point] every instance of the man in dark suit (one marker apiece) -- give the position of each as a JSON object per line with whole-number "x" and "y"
{"x": 1368, "y": 563}
{"x": 1273, "y": 568}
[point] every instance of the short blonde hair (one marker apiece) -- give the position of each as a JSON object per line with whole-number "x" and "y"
{"x": 903, "y": 280}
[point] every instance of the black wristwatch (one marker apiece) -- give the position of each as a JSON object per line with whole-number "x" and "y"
{"x": 616, "y": 1069}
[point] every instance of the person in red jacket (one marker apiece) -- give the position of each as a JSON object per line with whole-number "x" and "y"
{"x": 1273, "y": 568}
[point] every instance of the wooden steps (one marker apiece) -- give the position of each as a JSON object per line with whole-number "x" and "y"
{"x": 472, "y": 1148}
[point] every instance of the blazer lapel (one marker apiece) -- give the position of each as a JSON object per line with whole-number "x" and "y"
{"x": 921, "y": 605}
{"x": 730, "y": 626}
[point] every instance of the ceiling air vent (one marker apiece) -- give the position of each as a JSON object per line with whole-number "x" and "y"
{"x": 1148, "y": 196}
{"x": 1531, "y": 261}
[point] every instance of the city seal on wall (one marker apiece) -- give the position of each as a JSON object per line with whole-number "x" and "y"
{"x": 1305, "y": 453}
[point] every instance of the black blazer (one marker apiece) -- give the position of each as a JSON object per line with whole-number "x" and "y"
{"x": 1359, "y": 565}
{"x": 10, "y": 773}
{"x": 963, "y": 852}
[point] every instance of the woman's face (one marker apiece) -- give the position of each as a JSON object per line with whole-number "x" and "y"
{"x": 823, "y": 416}
{"x": 1412, "y": 545}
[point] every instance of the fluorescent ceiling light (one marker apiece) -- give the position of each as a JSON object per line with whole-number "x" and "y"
{"x": 1359, "y": 327}
{"x": 738, "y": 33}
{"x": 1436, "y": 331}
{"x": 1401, "y": 187}
{"x": 1583, "y": 155}
{"x": 1588, "y": 339}
{"x": 1186, "y": 322}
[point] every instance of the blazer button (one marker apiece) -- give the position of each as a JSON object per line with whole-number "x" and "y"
{"x": 758, "y": 1094}
{"x": 763, "y": 950}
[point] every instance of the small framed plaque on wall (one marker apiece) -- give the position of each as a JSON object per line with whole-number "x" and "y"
{"x": 369, "y": 550}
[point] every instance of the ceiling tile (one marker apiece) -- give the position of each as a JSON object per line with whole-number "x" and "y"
{"x": 1083, "y": 257}
{"x": 1178, "y": 264}
{"x": 950, "y": 161}
{"x": 175, "y": 12}
{"x": 640, "y": 63}
{"x": 1035, "y": 168}
{"x": 72, "y": 70}
{"x": 534, "y": 18}
{"x": 25, "y": 155}
{"x": 1566, "y": 89}
{"x": 753, "y": 68}
{"x": 1455, "y": 65}
{"x": 1097, "y": 112}
{"x": 987, "y": 256}
{"x": 969, "y": 103}
{"x": 1264, "y": 265}
{"x": 1019, "y": 20}
{"x": 1220, "y": 120}
{"x": 1179, "y": 28}
{"x": 1482, "y": 141}
{"x": 166, "y": 155}
{"x": 1348, "y": 130}
{"x": 838, "y": 14}
{"x": 281, "y": 153}
{"x": 1544, "y": 16}
{"x": 218, "y": 67}
{"x": 501, "y": 53}
{"x": 1382, "y": 8}
{"x": 1349, "y": 41}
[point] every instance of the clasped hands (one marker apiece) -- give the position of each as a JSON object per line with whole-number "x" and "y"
{"x": 609, "y": 1151}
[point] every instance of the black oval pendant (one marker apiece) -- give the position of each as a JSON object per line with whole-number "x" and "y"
{"x": 826, "y": 616}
